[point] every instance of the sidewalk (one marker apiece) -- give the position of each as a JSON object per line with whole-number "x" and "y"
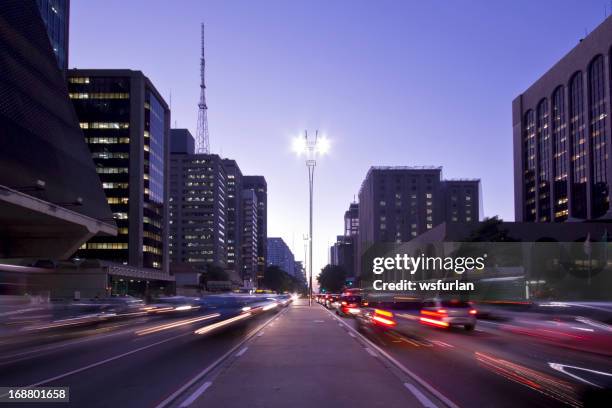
{"x": 305, "y": 359}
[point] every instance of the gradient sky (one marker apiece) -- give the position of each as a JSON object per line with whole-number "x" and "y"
{"x": 389, "y": 82}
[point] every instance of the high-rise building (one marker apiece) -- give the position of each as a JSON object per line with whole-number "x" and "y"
{"x": 249, "y": 238}
{"x": 56, "y": 16}
{"x": 259, "y": 185}
{"x": 51, "y": 199}
{"x": 235, "y": 213}
{"x": 342, "y": 253}
{"x": 181, "y": 141}
{"x": 198, "y": 219}
{"x": 351, "y": 220}
{"x": 397, "y": 204}
{"x": 280, "y": 255}
{"x": 561, "y": 135}
{"x": 126, "y": 126}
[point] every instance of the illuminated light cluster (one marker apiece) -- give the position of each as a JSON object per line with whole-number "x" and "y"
{"x": 222, "y": 323}
{"x": 167, "y": 326}
{"x": 433, "y": 322}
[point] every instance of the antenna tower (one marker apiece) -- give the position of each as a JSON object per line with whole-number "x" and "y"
{"x": 202, "y": 139}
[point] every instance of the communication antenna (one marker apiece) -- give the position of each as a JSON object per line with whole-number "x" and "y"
{"x": 202, "y": 139}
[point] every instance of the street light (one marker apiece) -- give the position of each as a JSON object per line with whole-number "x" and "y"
{"x": 311, "y": 149}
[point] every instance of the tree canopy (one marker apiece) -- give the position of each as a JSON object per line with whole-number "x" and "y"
{"x": 332, "y": 278}
{"x": 280, "y": 281}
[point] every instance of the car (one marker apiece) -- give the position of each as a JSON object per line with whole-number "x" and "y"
{"x": 375, "y": 319}
{"x": 331, "y": 300}
{"x": 348, "y": 305}
{"x": 448, "y": 313}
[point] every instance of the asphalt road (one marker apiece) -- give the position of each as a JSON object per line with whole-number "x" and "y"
{"x": 140, "y": 362}
{"x": 135, "y": 363}
{"x": 490, "y": 367}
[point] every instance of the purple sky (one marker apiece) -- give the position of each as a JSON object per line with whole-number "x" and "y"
{"x": 389, "y": 82}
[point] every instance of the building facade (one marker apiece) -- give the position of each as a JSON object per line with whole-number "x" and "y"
{"x": 198, "y": 195}
{"x": 351, "y": 220}
{"x": 125, "y": 122}
{"x": 235, "y": 216}
{"x": 561, "y": 137}
{"x": 51, "y": 198}
{"x": 280, "y": 255}
{"x": 56, "y": 16}
{"x": 259, "y": 185}
{"x": 248, "y": 242}
{"x": 181, "y": 141}
{"x": 397, "y": 204}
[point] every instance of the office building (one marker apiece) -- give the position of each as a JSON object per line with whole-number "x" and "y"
{"x": 235, "y": 213}
{"x": 249, "y": 239}
{"x": 198, "y": 210}
{"x": 396, "y": 204}
{"x": 280, "y": 255}
{"x": 181, "y": 141}
{"x": 51, "y": 198}
{"x": 259, "y": 185}
{"x": 561, "y": 136}
{"x": 56, "y": 17}
{"x": 351, "y": 220}
{"x": 125, "y": 122}
{"x": 342, "y": 253}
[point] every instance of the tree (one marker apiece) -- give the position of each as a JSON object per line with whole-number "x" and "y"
{"x": 280, "y": 281}
{"x": 490, "y": 230}
{"x": 332, "y": 278}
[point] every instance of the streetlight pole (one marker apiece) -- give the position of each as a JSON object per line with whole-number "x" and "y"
{"x": 311, "y": 148}
{"x": 311, "y": 166}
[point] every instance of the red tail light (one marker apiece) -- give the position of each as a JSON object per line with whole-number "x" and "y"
{"x": 343, "y": 303}
{"x": 473, "y": 311}
{"x": 442, "y": 311}
{"x": 433, "y": 322}
{"x": 383, "y": 318}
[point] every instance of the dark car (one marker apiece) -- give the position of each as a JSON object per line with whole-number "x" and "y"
{"x": 348, "y": 305}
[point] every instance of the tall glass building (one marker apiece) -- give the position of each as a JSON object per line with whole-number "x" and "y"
{"x": 56, "y": 15}
{"x": 126, "y": 126}
{"x": 561, "y": 135}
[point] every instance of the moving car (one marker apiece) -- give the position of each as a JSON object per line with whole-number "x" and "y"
{"x": 447, "y": 313}
{"x": 348, "y": 305}
{"x": 375, "y": 319}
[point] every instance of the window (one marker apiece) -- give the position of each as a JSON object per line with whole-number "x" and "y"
{"x": 577, "y": 132}
{"x": 597, "y": 124}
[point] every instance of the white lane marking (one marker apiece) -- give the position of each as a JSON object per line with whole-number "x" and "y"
{"x": 400, "y": 366}
{"x": 370, "y": 351}
{"x": 443, "y": 344}
{"x": 318, "y": 321}
{"x": 208, "y": 369}
{"x": 351, "y": 334}
{"x": 107, "y": 360}
{"x": 241, "y": 352}
{"x": 196, "y": 394}
{"x": 420, "y": 396}
{"x": 340, "y": 324}
{"x": 260, "y": 334}
{"x": 562, "y": 367}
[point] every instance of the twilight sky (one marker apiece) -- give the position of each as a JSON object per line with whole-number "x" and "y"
{"x": 389, "y": 82}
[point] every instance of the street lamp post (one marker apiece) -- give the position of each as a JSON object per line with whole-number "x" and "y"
{"x": 311, "y": 148}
